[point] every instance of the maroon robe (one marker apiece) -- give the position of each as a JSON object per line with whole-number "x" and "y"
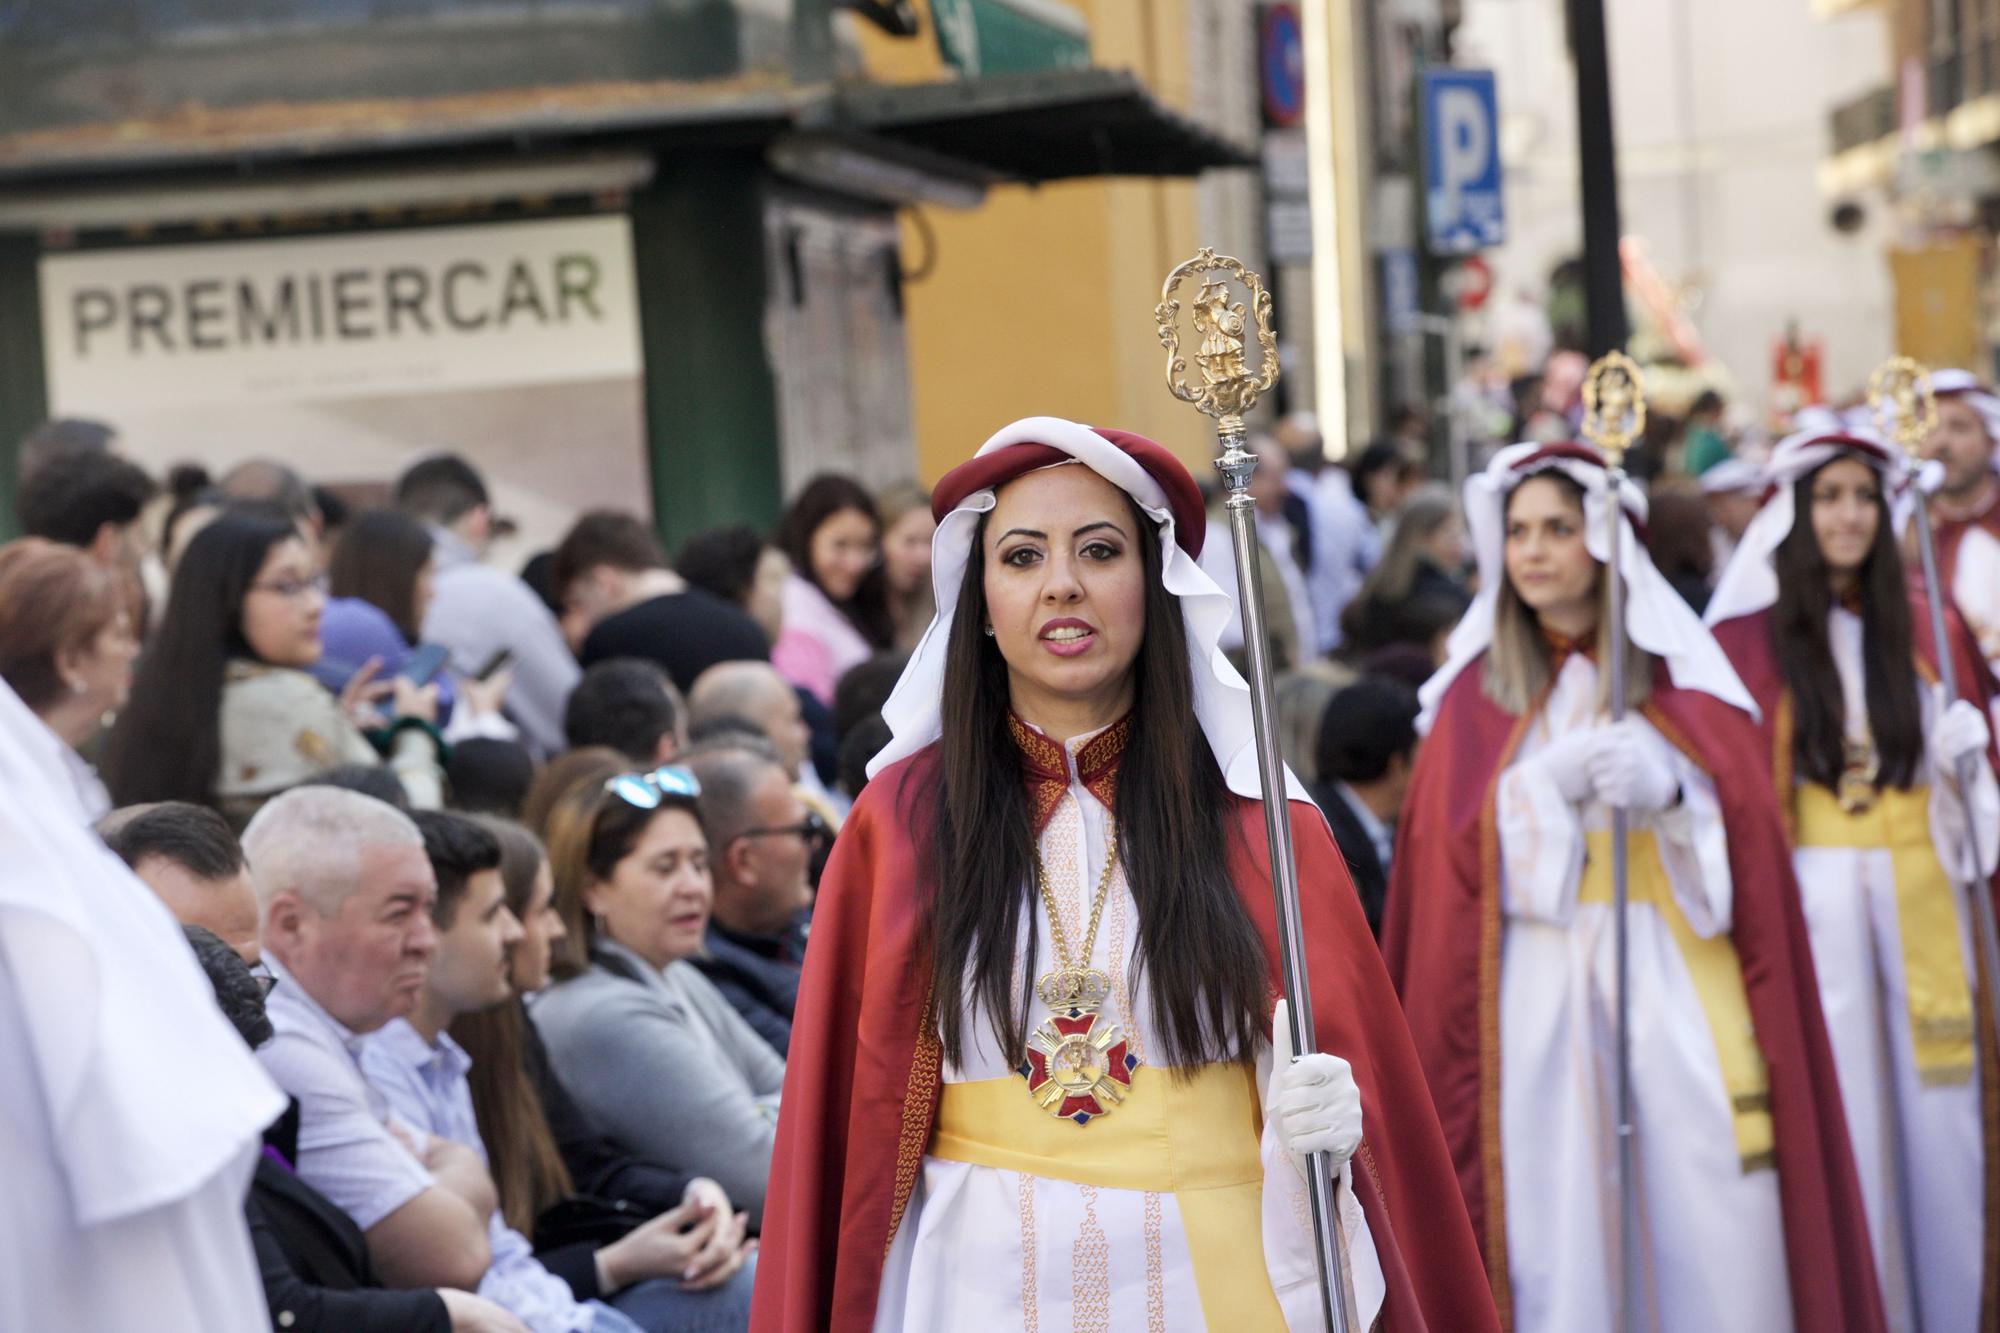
{"x": 1441, "y": 938}
{"x": 862, "y": 1083}
{"x": 1747, "y": 641}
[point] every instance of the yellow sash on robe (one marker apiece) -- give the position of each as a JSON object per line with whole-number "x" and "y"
{"x": 1935, "y": 989}
{"x": 1718, "y": 982}
{"x": 1195, "y": 1138}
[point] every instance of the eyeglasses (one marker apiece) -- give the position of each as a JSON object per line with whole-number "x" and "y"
{"x": 812, "y": 828}
{"x": 646, "y": 790}
{"x": 266, "y": 980}
{"x": 293, "y": 589}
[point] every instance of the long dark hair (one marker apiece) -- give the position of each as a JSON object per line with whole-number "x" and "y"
{"x": 1805, "y": 659}
{"x": 824, "y": 496}
{"x": 167, "y": 744}
{"x": 1198, "y": 952}
{"x": 377, "y": 559}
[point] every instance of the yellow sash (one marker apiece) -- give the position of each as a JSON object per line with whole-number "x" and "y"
{"x": 1934, "y": 985}
{"x": 1194, "y": 1138}
{"x": 1718, "y": 982}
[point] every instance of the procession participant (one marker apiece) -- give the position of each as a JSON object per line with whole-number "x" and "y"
{"x": 1823, "y": 626}
{"x": 1045, "y": 1097}
{"x": 1965, "y": 511}
{"x": 1500, "y": 935}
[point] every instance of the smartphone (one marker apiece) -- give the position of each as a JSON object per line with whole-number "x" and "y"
{"x": 500, "y": 661}
{"x": 423, "y": 663}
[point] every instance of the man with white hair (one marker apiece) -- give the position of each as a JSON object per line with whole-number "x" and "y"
{"x": 345, "y": 894}
{"x": 1965, "y": 511}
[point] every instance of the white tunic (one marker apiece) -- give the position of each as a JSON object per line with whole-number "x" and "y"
{"x": 1975, "y": 587}
{"x": 986, "y": 1248}
{"x": 1712, "y": 1245}
{"x": 1917, "y": 1149}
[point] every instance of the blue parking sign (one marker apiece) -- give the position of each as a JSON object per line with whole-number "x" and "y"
{"x": 1463, "y": 211}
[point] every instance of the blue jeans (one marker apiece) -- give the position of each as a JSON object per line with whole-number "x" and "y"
{"x": 661, "y": 1307}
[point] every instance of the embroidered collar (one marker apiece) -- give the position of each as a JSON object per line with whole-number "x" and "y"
{"x": 1045, "y": 766}
{"x": 1561, "y": 646}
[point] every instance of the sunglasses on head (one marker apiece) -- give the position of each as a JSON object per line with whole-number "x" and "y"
{"x": 646, "y": 790}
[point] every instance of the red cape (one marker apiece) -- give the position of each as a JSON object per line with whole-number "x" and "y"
{"x": 861, "y": 1087}
{"x": 1747, "y": 641}
{"x": 1441, "y": 938}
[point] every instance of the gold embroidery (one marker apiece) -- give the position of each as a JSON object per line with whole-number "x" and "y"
{"x": 1030, "y": 1281}
{"x": 1156, "y": 1282}
{"x": 919, "y": 1107}
{"x": 1090, "y": 1271}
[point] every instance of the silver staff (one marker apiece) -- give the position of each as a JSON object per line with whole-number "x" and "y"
{"x": 1614, "y": 401}
{"x": 1900, "y": 393}
{"x": 1228, "y": 389}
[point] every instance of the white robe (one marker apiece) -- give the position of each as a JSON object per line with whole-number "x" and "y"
{"x": 958, "y": 1260}
{"x": 1917, "y": 1149}
{"x": 1712, "y": 1245}
{"x": 1975, "y": 587}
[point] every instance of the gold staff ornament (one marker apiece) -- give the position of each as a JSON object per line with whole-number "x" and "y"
{"x": 1228, "y": 389}
{"x": 1614, "y": 405}
{"x": 1900, "y": 395}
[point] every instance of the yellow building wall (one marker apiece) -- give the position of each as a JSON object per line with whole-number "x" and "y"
{"x": 1040, "y": 301}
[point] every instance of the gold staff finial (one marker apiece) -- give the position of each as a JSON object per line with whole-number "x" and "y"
{"x": 1614, "y": 405}
{"x": 1900, "y": 395}
{"x": 1228, "y": 388}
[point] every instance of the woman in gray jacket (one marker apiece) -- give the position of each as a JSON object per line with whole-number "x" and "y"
{"x": 642, "y": 1041}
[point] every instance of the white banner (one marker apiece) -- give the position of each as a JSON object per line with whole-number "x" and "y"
{"x": 310, "y": 319}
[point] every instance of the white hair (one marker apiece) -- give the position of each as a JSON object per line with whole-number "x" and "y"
{"x": 309, "y": 841}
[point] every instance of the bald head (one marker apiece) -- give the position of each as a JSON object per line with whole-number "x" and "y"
{"x": 755, "y": 692}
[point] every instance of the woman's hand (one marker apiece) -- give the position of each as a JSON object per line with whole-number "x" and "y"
{"x": 1628, "y": 769}
{"x": 1313, "y": 1101}
{"x": 358, "y": 696}
{"x": 417, "y": 702}
{"x": 485, "y": 697}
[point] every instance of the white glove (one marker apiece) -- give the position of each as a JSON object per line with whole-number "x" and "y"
{"x": 1959, "y": 732}
{"x": 1565, "y": 761}
{"x": 1628, "y": 770}
{"x": 1313, "y": 1101}
{"x": 1930, "y": 476}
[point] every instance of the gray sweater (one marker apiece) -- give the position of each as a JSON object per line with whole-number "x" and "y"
{"x": 663, "y": 1065}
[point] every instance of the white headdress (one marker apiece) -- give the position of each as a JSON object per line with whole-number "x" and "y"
{"x": 1972, "y": 391}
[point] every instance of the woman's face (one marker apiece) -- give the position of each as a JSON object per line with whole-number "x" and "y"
{"x": 1547, "y": 563}
{"x": 100, "y": 673}
{"x": 1846, "y": 498}
{"x": 906, "y": 551}
{"x": 1446, "y": 546}
{"x": 844, "y": 548}
{"x": 420, "y": 596}
{"x": 767, "y": 592}
{"x": 656, "y": 901}
{"x": 1065, "y": 591}
{"x": 282, "y": 606}
{"x": 541, "y": 927}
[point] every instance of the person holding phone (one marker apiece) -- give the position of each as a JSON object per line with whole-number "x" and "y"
{"x": 380, "y": 579}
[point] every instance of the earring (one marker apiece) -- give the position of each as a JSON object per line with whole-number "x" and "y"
{"x": 83, "y": 686}
{"x": 989, "y": 631}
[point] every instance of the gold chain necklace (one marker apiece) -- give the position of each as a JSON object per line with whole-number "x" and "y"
{"x": 1078, "y": 1066}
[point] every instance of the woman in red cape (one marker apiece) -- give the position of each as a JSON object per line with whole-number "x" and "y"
{"x": 1462, "y": 899}
{"x": 1821, "y": 621}
{"x": 930, "y": 1173}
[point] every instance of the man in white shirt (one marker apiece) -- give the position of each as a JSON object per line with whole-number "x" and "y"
{"x": 345, "y": 892}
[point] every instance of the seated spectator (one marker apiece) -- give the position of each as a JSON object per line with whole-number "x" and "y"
{"x": 638, "y": 1036}
{"x": 1301, "y": 697}
{"x": 761, "y": 845}
{"x": 863, "y": 692}
{"x": 345, "y": 890}
{"x": 837, "y": 597}
{"x": 591, "y": 766}
{"x": 620, "y": 600}
{"x": 1678, "y": 540}
{"x": 314, "y": 1262}
{"x": 67, "y": 643}
{"x": 1415, "y": 595}
{"x": 740, "y": 567}
{"x": 129, "y": 1111}
{"x": 754, "y": 692}
{"x": 477, "y": 611}
{"x": 88, "y": 499}
{"x": 189, "y": 856}
{"x": 269, "y": 484}
{"x": 628, "y": 704}
{"x": 1385, "y": 473}
{"x": 863, "y": 742}
{"x": 223, "y": 711}
{"x": 1367, "y": 745}
{"x": 62, "y": 435}
{"x": 414, "y": 1063}
{"x": 489, "y": 777}
{"x": 600, "y": 1217}
{"x": 381, "y": 576}
{"x": 907, "y": 529}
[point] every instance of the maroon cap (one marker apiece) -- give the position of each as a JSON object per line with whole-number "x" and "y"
{"x": 1014, "y": 460}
